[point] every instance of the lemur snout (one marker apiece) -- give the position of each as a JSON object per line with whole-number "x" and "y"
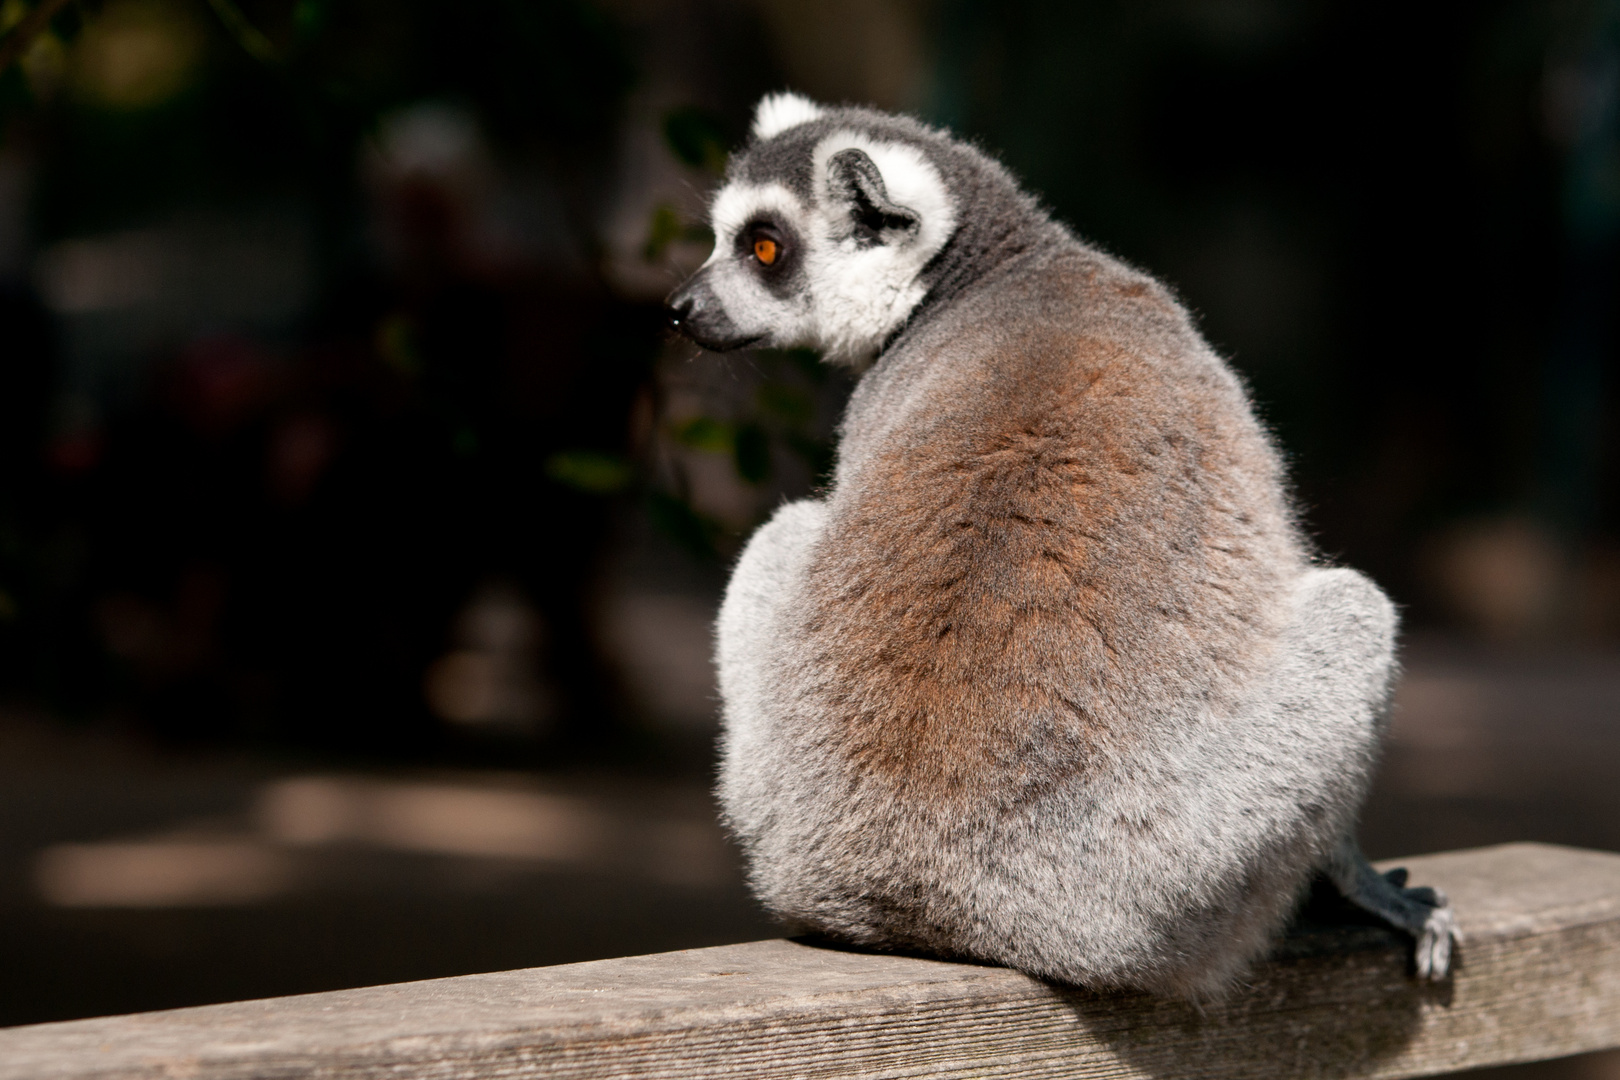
{"x": 695, "y": 312}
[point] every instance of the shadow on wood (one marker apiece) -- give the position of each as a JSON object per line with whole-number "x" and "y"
{"x": 1539, "y": 978}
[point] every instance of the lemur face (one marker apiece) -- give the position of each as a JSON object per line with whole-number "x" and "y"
{"x": 834, "y": 263}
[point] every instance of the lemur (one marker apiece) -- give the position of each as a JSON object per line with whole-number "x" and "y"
{"x": 1048, "y": 676}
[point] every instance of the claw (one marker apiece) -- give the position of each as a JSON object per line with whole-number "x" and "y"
{"x": 1434, "y": 943}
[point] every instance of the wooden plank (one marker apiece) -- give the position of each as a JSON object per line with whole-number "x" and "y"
{"x": 1539, "y": 977}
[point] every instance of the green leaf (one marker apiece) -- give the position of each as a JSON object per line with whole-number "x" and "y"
{"x": 589, "y": 470}
{"x": 666, "y": 228}
{"x": 706, "y": 434}
{"x": 663, "y": 230}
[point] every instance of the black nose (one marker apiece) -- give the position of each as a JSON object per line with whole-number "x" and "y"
{"x": 678, "y": 309}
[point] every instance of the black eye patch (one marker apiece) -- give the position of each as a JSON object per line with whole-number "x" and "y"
{"x": 773, "y": 251}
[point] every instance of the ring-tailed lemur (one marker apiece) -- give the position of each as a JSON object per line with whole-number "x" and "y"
{"x": 1047, "y": 677}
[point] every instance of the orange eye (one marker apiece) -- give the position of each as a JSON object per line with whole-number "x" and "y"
{"x": 765, "y": 250}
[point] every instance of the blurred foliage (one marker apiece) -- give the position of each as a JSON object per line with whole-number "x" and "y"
{"x": 1385, "y": 215}
{"x": 277, "y": 532}
{"x": 164, "y": 102}
{"x": 600, "y": 474}
{"x": 667, "y": 228}
{"x": 782, "y": 417}
{"x": 698, "y": 138}
{"x": 306, "y": 17}
{"x": 783, "y": 414}
{"x": 272, "y": 531}
{"x": 697, "y": 533}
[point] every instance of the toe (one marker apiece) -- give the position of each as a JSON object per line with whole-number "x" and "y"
{"x": 1434, "y": 945}
{"x": 1423, "y": 956}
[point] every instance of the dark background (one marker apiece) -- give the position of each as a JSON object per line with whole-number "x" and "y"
{"x": 340, "y": 437}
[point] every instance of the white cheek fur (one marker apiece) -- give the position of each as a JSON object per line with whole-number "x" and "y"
{"x": 861, "y": 295}
{"x": 758, "y": 312}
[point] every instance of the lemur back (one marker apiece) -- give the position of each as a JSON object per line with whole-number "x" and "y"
{"x": 1046, "y": 677}
{"x": 1049, "y": 535}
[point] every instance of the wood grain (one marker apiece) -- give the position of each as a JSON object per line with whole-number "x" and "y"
{"x": 1539, "y": 977}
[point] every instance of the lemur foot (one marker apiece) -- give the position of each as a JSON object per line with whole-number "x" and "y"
{"x": 1423, "y": 912}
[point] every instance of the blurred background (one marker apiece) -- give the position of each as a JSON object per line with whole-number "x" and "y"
{"x": 361, "y": 528}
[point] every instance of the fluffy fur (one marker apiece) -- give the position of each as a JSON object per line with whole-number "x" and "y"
{"x": 1047, "y": 677}
{"x": 778, "y": 112}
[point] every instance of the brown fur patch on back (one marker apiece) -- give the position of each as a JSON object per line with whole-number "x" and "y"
{"x": 1088, "y": 539}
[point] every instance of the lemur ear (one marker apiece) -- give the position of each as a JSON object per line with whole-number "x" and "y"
{"x": 775, "y": 113}
{"x": 855, "y": 181}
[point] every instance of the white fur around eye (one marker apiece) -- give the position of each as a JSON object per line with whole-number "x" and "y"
{"x": 738, "y": 204}
{"x": 736, "y": 284}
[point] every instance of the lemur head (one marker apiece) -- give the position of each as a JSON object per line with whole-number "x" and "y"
{"x": 825, "y": 230}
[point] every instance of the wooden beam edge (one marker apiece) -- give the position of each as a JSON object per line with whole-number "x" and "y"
{"x": 1539, "y": 977}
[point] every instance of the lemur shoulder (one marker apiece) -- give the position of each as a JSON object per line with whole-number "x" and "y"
{"x": 1048, "y": 676}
